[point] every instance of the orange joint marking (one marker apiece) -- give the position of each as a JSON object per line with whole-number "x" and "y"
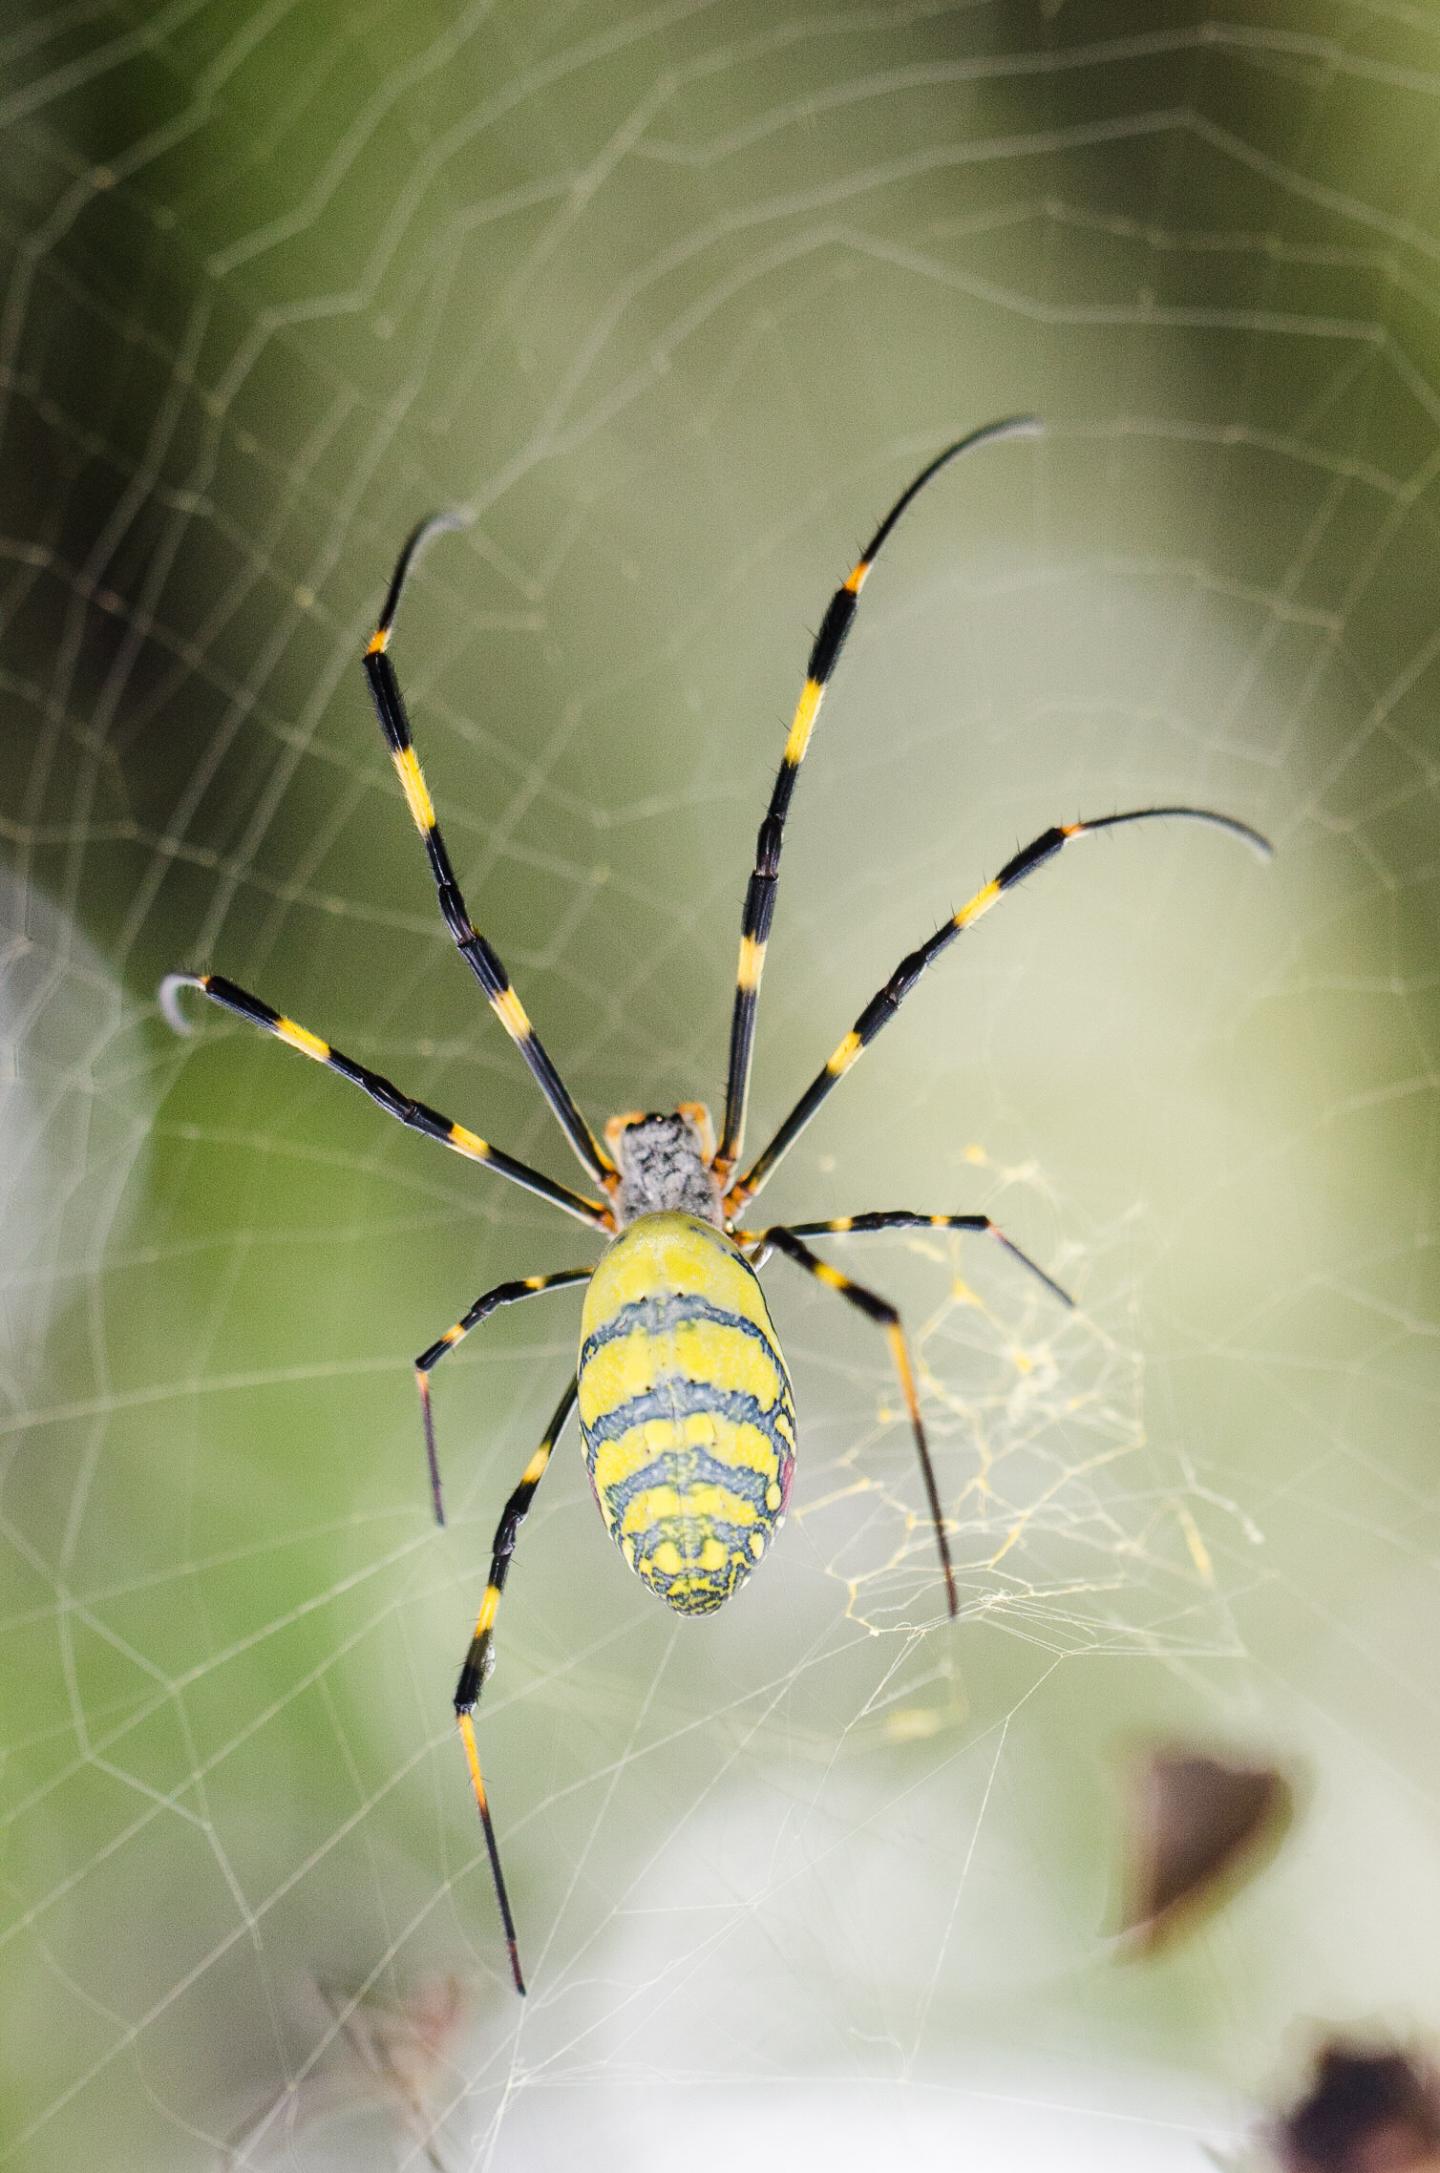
{"x": 804, "y": 718}
{"x": 615, "y": 1130}
{"x": 511, "y": 1013}
{"x": 896, "y": 1335}
{"x": 697, "y": 1114}
{"x": 417, "y": 792}
{"x": 1073, "y": 829}
{"x": 301, "y": 1038}
{"x": 536, "y": 1282}
{"x": 845, "y": 1055}
{"x": 980, "y": 903}
{"x": 453, "y": 1335}
{"x": 472, "y": 1759}
{"x": 468, "y": 1143}
{"x": 379, "y": 642}
{"x": 856, "y": 581}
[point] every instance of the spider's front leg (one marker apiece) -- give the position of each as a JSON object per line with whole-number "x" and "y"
{"x": 478, "y": 954}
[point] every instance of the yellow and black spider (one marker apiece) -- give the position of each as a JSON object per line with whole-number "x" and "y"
{"x": 686, "y": 1412}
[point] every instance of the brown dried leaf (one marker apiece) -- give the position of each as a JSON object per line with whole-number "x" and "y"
{"x": 1366, "y": 2112}
{"x": 1198, "y": 1826}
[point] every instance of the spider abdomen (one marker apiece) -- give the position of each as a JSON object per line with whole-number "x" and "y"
{"x": 685, "y": 1409}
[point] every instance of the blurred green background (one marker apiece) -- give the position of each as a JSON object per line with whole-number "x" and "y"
{"x": 677, "y": 299}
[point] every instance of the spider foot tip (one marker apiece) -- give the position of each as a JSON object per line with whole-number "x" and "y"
{"x": 168, "y": 997}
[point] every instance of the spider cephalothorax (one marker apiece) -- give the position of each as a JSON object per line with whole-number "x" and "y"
{"x": 664, "y": 1164}
{"x": 685, "y": 1403}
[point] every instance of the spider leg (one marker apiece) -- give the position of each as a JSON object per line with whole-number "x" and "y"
{"x": 902, "y": 1218}
{"x": 760, "y": 892}
{"x": 502, "y": 1294}
{"x": 883, "y": 1006}
{"x": 481, "y": 1656}
{"x": 472, "y": 946}
{"x": 417, "y": 1116}
{"x": 780, "y": 1239}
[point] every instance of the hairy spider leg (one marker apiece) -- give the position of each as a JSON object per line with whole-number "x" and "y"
{"x": 513, "y": 1293}
{"x": 904, "y": 1218}
{"x": 416, "y": 1116}
{"x": 481, "y": 1656}
{"x": 760, "y": 892}
{"x": 472, "y": 946}
{"x": 881, "y": 1311}
{"x": 883, "y": 1006}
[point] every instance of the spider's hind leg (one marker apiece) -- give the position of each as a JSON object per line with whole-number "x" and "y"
{"x": 480, "y": 1657}
{"x": 885, "y": 1314}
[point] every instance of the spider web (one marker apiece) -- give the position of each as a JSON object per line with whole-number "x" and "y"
{"x": 676, "y": 298}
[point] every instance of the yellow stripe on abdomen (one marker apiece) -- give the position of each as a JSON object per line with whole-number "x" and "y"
{"x": 727, "y": 1355}
{"x": 685, "y": 1409}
